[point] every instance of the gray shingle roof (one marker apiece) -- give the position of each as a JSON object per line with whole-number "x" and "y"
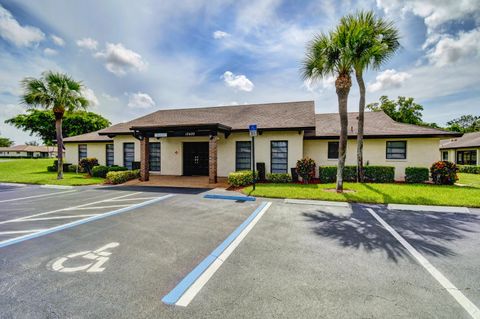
{"x": 88, "y": 137}
{"x": 377, "y": 124}
{"x": 238, "y": 117}
{"x": 27, "y": 148}
{"x": 467, "y": 140}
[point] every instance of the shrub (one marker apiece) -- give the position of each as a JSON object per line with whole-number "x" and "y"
{"x": 470, "y": 169}
{"x": 116, "y": 168}
{"x": 100, "y": 171}
{"x": 379, "y": 174}
{"x": 51, "y": 168}
{"x": 306, "y": 169}
{"x": 444, "y": 173}
{"x": 373, "y": 174}
{"x": 416, "y": 174}
{"x": 73, "y": 168}
{"x": 55, "y": 166}
{"x": 88, "y": 163}
{"x": 279, "y": 178}
{"x": 241, "y": 178}
{"x": 122, "y": 176}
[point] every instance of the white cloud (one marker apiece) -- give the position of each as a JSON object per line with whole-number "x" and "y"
{"x": 120, "y": 59}
{"x": 239, "y": 82}
{"x": 452, "y": 49}
{"x": 13, "y": 32}
{"x": 90, "y": 96}
{"x": 50, "y": 51}
{"x": 109, "y": 97}
{"x": 140, "y": 100}
{"x": 220, "y": 34}
{"x": 388, "y": 79}
{"x": 87, "y": 43}
{"x": 326, "y": 83}
{"x": 57, "y": 40}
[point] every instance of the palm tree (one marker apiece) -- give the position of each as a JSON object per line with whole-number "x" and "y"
{"x": 371, "y": 42}
{"x": 59, "y": 93}
{"x": 327, "y": 55}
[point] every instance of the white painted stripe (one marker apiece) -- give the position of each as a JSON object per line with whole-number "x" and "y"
{"x": 13, "y": 184}
{"x": 452, "y": 290}
{"x": 98, "y": 207}
{"x": 62, "y": 209}
{"x": 128, "y": 199}
{"x": 316, "y": 202}
{"x": 56, "y": 186}
{"x": 193, "y": 290}
{"x": 54, "y": 217}
{"x": 36, "y": 196}
{"x": 13, "y": 232}
{"x": 425, "y": 208}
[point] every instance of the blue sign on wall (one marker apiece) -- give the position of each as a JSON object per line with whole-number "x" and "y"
{"x": 252, "y": 129}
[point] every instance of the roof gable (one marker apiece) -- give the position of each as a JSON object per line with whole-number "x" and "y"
{"x": 467, "y": 140}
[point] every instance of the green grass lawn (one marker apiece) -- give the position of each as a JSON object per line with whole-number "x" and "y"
{"x": 34, "y": 171}
{"x": 381, "y": 193}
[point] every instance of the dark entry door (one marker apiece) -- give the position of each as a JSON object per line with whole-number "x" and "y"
{"x": 154, "y": 156}
{"x": 195, "y": 158}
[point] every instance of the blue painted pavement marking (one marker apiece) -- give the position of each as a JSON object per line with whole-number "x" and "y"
{"x": 174, "y": 295}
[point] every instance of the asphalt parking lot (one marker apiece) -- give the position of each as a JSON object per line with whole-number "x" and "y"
{"x": 118, "y": 252}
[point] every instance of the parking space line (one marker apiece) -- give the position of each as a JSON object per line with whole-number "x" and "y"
{"x": 189, "y": 287}
{"x": 47, "y": 231}
{"x": 63, "y": 209}
{"x": 35, "y": 196}
{"x": 14, "y": 232}
{"x": 98, "y": 207}
{"x": 128, "y": 199}
{"x": 469, "y": 306}
{"x": 54, "y": 217}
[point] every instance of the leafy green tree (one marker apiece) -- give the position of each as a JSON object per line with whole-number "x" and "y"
{"x": 403, "y": 110}
{"x": 58, "y": 93}
{"x": 5, "y": 142}
{"x": 465, "y": 124}
{"x": 42, "y": 123}
{"x": 326, "y": 55}
{"x": 372, "y": 41}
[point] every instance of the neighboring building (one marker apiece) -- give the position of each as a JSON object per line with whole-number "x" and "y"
{"x": 463, "y": 150}
{"x": 215, "y": 141}
{"x": 28, "y": 151}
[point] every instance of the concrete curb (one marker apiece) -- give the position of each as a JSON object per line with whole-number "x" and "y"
{"x": 316, "y": 202}
{"x": 425, "y": 208}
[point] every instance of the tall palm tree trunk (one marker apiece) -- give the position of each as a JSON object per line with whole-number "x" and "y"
{"x": 342, "y": 84}
{"x": 361, "y": 122}
{"x": 58, "y": 128}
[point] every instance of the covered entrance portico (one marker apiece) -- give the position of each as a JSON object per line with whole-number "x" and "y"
{"x": 198, "y": 157}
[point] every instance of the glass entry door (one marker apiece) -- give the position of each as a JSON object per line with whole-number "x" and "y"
{"x": 154, "y": 156}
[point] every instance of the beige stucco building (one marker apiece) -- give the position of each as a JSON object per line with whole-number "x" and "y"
{"x": 28, "y": 151}
{"x": 215, "y": 141}
{"x": 463, "y": 150}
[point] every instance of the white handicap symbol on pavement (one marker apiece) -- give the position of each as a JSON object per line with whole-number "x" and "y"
{"x": 98, "y": 258}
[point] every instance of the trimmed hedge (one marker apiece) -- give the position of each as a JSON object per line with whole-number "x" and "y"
{"x": 100, "y": 171}
{"x": 122, "y": 177}
{"x": 416, "y": 174}
{"x": 373, "y": 174}
{"x": 51, "y": 168}
{"x": 116, "y": 168}
{"x": 470, "y": 169}
{"x": 241, "y": 178}
{"x": 279, "y": 178}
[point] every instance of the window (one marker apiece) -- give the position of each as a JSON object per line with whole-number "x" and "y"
{"x": 243, "y": 156}
{"x": 128, "y": 154}
{"x": 82, "y": 151}
{"x": 332, "y": 150}
{"x": 467, "y": 157}
{"x": 396, "y": 149}
{"x": 279, "y": 156}
{"x": 109, "y": 154}
{"x": 445, "y": 156}
{"x": 154, "y": 156}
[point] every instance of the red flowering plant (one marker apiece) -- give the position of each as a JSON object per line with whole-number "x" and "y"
{"x": 444, "y": 173}
{"x": 306, "y": 169}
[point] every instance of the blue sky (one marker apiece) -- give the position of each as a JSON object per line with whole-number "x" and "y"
{"x": 135, "y": 57}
